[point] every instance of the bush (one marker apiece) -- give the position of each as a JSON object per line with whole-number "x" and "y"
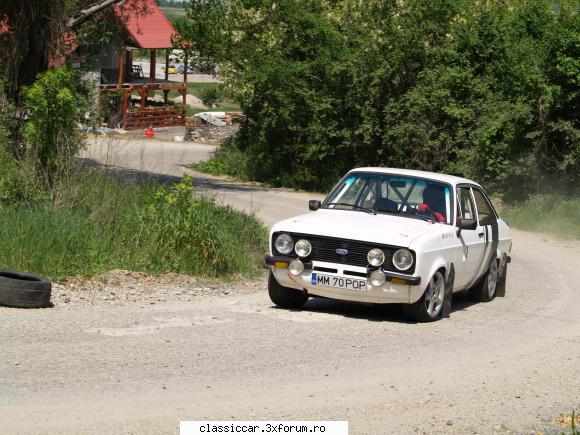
{"x": 195, "y": 235}
{"x": 227, "y": 160}
{"x": 57, "y": 106}
{"x": 210, "y": 96}
{"x": 16, "y": 182}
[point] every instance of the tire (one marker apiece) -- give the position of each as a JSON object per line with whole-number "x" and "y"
{"x": 24, "y": 290}
{"x": 285, "y": 297}
{"x": 429, "y": 307}
{"x": 486, "y": 289}
{"x": 502, "y": 281}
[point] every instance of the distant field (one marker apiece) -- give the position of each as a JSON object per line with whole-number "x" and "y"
{"x": 173, "y": 13}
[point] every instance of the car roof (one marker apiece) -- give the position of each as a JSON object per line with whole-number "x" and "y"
{"x": 450, "y": 179}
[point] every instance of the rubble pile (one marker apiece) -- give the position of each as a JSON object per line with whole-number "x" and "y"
{"x": 212, "y": 127}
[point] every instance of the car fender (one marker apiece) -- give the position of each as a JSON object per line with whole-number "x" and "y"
{"x": 427, "y": 272}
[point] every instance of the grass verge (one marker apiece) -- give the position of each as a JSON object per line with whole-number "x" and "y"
{"x": 198, "y": 89}
{"x": 226, "y": 160}
{"x": 546, "y": 213}
{"x": 105, "y": 224}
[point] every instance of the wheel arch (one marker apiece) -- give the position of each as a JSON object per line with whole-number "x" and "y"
{"x": 440, "y": 265}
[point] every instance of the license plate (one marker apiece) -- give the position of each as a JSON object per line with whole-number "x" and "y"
{"x": 339, "y": 282}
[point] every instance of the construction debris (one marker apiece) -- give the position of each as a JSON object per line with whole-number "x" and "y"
{"x": 212, "y": 127}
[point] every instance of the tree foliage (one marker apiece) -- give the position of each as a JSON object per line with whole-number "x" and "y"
{"x": 487, "y": 90}
{"x": 57, "y": 105}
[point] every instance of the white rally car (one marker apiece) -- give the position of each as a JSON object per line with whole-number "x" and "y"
{"x": 392, "y": 236}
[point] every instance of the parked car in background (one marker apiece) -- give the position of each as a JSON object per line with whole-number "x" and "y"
{"x": 181, "y": 69}
{"x": 392, "y": 236}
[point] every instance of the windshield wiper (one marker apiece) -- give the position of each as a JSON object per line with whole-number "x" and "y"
{"x": 354, "y": 206}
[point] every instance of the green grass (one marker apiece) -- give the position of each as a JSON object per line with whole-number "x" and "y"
{"x": 547, "y": 213}
{"x": 226, "y": 160}
{"x": 197, "y": 89}
{"x": 105, "y": 224}
{"x": 173, "y": 14}
{"x": 221, "y": 107}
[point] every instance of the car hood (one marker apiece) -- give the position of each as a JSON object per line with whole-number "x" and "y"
{"x": 355, "y": 225}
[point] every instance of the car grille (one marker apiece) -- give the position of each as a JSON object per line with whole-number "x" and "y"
{"x": 324, "y": 249}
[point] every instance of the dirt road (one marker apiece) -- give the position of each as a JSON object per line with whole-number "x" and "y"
{"x": 168, "y": 161}
{"x": 508, "y": 366}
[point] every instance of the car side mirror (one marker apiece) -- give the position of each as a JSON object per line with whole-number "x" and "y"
{"x": 465, "y": 224}
{"x": 314, "y": 204}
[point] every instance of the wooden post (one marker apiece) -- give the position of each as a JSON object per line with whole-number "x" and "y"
{"x": 125, "y": 107}
{"x": 129, "y": 65}
{"x": 143, "y": 97}
{"x": 184, "y": 105}
{"x": 185, "y": 68}
{"x": 121, "y": 68}
{"x": 101, "y": 104}
{"x": 153, "y": 65}
{"x": 166, "y": 65}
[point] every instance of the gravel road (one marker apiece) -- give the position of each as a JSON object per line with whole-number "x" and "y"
{"x": 133, "y": 354}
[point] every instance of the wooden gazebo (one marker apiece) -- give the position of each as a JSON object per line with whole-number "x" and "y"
{"x": 149, "y": 30}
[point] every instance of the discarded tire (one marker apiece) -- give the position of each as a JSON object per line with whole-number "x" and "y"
{"x": 24, "y": 290}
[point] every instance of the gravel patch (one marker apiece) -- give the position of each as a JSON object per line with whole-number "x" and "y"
{"x": 123, "y": 287}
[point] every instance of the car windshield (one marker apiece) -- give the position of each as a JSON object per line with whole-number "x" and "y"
{"x": 413, "y": 197}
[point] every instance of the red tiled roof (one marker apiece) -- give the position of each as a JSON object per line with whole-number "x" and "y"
{"x": 150, "y": 30}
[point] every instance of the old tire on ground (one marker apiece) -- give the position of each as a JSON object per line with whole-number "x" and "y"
{"x": 429, "y": 307}
{"x": 285, "y": 297}
{"x": 24, "y": 290}
{"x": 485, "y": 290}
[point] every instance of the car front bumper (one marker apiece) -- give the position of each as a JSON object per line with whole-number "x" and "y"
{"x": 397, "y": 288}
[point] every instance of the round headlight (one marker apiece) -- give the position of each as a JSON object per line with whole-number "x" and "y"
{"x": 376, "y": 257}
{"x": 303, "y": 248}
{"x": 284, "y": 244}
{"x": 296, "y": 267}
{"x": 377, "y": 278}
{"x": 403, "y": 259}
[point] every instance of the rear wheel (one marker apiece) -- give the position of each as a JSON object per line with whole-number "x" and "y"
{"x": 285, "y": 297}
{"x": 485, "y": 290}
{"x": 430, "y": 306}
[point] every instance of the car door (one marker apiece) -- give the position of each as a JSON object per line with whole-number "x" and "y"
{"x": 487, "y": 224}
{"x": 472, "y": 241}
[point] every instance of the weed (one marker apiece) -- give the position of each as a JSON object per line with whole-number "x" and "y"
{"x": 227, "y": 160}
{"x": 547, "y": 213}
{"x": 105, "y": 224}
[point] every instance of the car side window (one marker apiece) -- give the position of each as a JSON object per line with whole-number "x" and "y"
{"x": 484, "y": 210}
{"x": 466, "y": 205}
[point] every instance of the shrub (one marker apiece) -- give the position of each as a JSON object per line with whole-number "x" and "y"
{"x": 106, "y": 224}
{"x": 57, "y": 105}
{"x": 227, "y": 160}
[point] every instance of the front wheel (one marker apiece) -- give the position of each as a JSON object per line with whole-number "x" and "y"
{"x": 284, "y": 297}
{"x": 430, "y": 306}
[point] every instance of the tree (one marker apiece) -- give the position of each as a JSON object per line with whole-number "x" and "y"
{"x": 36, "y": 31}
{"x": 487, "y": 90}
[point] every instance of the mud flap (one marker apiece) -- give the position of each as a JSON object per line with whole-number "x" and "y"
{"x": 501, "y": 282}
{"x": 448, "y": 293}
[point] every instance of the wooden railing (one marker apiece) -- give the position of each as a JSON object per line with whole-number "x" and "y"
{"x": 143, "y": 118}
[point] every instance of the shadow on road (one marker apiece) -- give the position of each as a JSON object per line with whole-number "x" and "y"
{"x": 374, "y": 312}
{"x": 201, "y": 182}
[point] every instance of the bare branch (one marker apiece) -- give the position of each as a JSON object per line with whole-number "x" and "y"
{"x": 85, "y": 14}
